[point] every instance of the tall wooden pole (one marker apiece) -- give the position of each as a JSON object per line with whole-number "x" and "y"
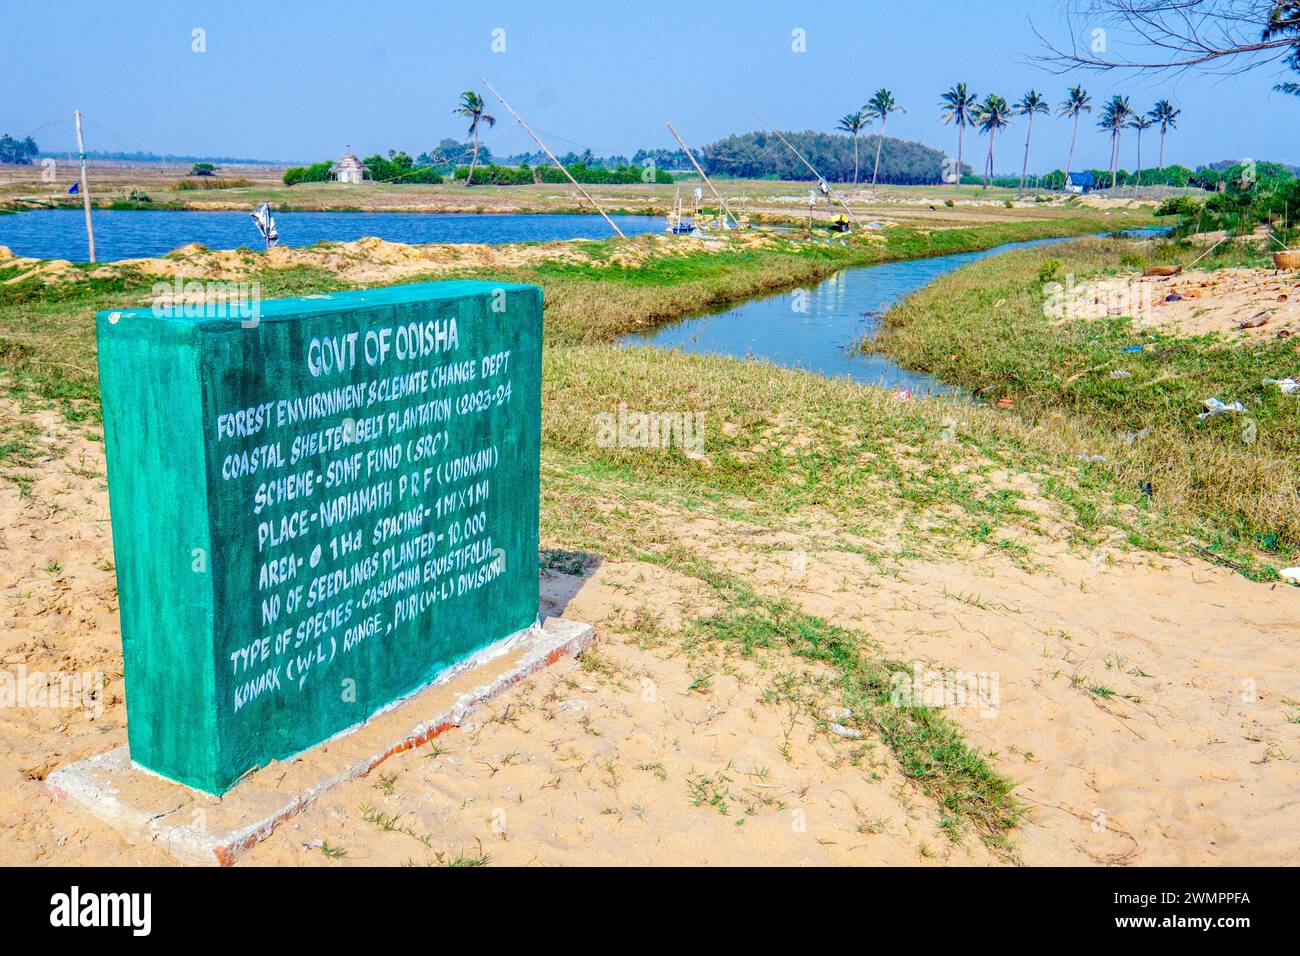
{"x": 530, "y": 132}
{"x": 85, "y": 186}
{"x": 689, "y": 155}
{"x": 820, "y": 178}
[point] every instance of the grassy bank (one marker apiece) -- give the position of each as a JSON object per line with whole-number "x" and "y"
{"x": 1075, "y": 387}
{"x": 47, "y": 332}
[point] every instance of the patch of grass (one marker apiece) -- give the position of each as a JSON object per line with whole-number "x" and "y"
{"x": 779, "y": 443}
{"x": 657, "y": 769}
{"x": 1231, "y": 478}
{"x": 557, "y": 561}
{"x": 333, "y": 852}
{"x": 18, "y": 448}
{"x": 392, "y": 823}
{"x": 712, "y": 791}
{"x": 463, "y": 860}
{"x": 930, "y": 748}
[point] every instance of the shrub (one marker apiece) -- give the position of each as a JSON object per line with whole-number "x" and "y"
{"x": 399, "y": 168}
{"x": 1178, "y": 206}
{"x": 315, "y": 173}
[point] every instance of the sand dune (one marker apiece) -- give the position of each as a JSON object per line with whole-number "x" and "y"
{"x": 1145, "y": 706}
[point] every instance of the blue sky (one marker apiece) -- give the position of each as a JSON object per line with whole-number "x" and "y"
{"x": 299, "y": 81}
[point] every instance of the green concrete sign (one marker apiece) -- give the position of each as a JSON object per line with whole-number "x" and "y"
{"x": 318, "y": 505}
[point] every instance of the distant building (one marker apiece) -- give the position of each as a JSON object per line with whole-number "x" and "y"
{"x": 1080, "y": 183}
{"x": 349, "y": 169}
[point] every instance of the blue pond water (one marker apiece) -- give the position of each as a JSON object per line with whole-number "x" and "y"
{"x": 122, "y": 234}
{"x": 816, "y": 329}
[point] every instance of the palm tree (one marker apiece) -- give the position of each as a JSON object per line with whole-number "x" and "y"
{"x": 1031, "y": 103}
{"x": 1139, "y": 123}
{"x": 879, "y": 107}
{"x": 992, "y": 115}
{"x": 853, "y": 124}
{"x": 959, "y": 107}
{"x": 472, "y": 108}
{"x": 1114, "y": 117}
{"x": 1077, "y": 101}
{"x": 1164, "y": 114}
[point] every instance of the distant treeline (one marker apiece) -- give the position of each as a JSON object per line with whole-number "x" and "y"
{"x": 1214, "y": 176}
{"x": 758, "y": 155}
{"x": 451, "y": 151}
{"x": 762, "y": 155}
{"x": 520, "y": 175}
{"x": 399, "y": 167}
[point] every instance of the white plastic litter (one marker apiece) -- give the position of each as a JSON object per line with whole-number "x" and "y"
{"x": 1215, "y": 407}
{"x": 1290, "y": 575}
{"x": 1121, "y": 373}
{"x": 1289, "y": 386}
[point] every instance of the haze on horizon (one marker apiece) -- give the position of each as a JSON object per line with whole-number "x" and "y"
{"x": 297, "y": 83}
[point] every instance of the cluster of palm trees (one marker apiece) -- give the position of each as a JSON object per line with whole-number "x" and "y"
{"x": 962, "y": 107}
{"x": 881, "y": 104}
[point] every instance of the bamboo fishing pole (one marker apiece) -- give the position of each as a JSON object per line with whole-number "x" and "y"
{"x": 830, "y": 192}
{"x": 529, "y": 131}
{"x": 85, "y": 186}
{"x": 691, "y": 156}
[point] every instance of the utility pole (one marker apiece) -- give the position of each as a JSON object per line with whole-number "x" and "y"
{"x": 529, "y": 131}
{"x": 85, "y": 186}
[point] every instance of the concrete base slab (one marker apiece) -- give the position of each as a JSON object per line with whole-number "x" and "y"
{"x": 196, "y": 827}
